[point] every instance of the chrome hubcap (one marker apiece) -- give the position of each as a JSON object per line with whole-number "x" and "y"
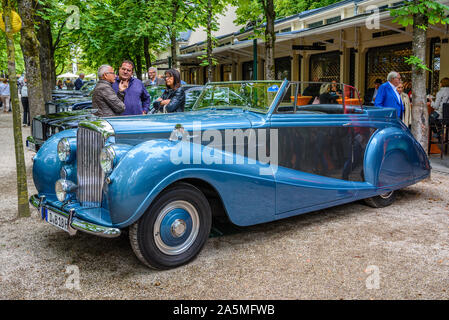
{"x": 386, "y": 195}
{"x": 176, "y": 227}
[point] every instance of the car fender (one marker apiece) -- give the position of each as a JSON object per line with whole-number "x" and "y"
{"x": 393, "y": 158}
{"x": 46, "y": 161}
{"x": 148, "y": 168}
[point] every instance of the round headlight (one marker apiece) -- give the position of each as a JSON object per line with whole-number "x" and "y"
{"x": 61, "y": 194}
{"x": 63, "y": 188}
{"x": 63, "y": 150}
{"x": 107, "y": 157}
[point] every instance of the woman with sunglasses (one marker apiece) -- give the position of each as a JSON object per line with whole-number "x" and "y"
{"x": 173, "y": 99}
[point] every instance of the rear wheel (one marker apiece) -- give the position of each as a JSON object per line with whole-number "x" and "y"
{"x": 174, "y": 229}
{"x": 380, "y": 201}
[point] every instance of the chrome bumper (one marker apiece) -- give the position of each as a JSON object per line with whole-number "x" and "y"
{"x": 74, "y": 222}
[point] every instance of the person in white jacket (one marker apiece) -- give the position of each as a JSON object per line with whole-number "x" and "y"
{"x": 442, "y": 97}
{"x": 5, "y": 95}
{"x": 25, "y": 104}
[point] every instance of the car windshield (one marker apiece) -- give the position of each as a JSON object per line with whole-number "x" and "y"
{"x": 254, "y": 96}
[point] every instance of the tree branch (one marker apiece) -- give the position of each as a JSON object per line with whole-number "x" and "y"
{"x": 58, "y": 38}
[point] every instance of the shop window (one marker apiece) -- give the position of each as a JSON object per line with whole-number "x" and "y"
{"x": 333, "y": 19}
{"x": 386, "y": 33}
{"x": 380, "y": 61}
{"x": 247, "y": 70}
{"x": 315, "y": 24}
{"x": 226, "y": 72}
{"x": 284, "y": 30}
{"x": 325, "y": 67}
{"x": 283, "y": 68}
{"x": 435, "y": 59}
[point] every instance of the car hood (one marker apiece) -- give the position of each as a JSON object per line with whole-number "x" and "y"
{"x": 68, "y": 116}
{"x": 132, "y": 129}
{"x": 72, "y": 99}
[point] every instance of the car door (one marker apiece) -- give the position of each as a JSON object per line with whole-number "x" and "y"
{"x": 320, "y": 154}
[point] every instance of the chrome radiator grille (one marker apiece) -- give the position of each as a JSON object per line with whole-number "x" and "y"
{"x": 89, "y": 173}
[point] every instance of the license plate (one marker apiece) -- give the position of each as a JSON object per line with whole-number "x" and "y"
{"x": 56, "y": 219}
{"x": 31, "y": 146}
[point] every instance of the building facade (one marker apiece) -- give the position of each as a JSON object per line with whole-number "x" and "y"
{"x": 352, "y": 41}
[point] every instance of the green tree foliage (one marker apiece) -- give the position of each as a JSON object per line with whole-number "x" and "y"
{"x": 285, "y": 8}
{"x": 114, "y": 30}
{"x": 259, "y": 15}
{"x": 420, "y": 14}
{"x": 208, "y": 15}
{"x": 23, "y": 208}
{"x": 20, "y": 67}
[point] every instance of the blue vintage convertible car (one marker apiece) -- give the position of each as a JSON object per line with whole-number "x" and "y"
{"x": 252, "y": 151}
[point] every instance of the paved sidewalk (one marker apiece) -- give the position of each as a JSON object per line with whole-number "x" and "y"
{"x": 440, "y": 165}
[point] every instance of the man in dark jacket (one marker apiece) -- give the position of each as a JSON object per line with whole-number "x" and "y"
{"x": 79, "y": 82}
{"x": 371, "y": 93}
{"x": 104, "y": 98}
{"x": 153, "y": 79}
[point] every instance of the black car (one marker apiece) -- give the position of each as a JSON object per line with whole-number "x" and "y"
{"x": 85, "y": 90}
{"x": 68, "y": 103}
{"x": 44, "y": 126}
{"x": 67, "y": 112}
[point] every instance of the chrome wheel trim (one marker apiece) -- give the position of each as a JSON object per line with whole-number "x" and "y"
{"x": 386, "y": 195}
{"x": 177, "y": 228}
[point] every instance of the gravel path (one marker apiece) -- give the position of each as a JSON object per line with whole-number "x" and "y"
{"x": 347, "y": 252}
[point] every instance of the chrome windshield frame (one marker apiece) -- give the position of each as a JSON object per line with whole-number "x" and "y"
{"x": 269, "y": 108}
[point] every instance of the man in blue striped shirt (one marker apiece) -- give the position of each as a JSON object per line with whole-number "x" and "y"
{"x": 137, "y": 99}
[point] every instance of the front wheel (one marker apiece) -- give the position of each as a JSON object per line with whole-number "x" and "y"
{"x": 382, "y": 200}
{"x": 174, "y": 229}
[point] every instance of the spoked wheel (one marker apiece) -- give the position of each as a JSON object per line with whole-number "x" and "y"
{"x": 380, "y": 201}
{"x": 174, "y": 229}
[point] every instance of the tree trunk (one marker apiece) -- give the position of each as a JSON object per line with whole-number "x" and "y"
{"x": 146, "y": 52}
{"x": 30, "y": 50}
{"x": 22, "y": 188}
{"x": 46, "y": 57}
{"x": 420, "y": 116}
{"x": 209, "y": 48}
{"x": 173, "y": 35}
{"x": 139, "y": 63}
{"x": 174, "y": 57}
{"x": 270, "y": 39}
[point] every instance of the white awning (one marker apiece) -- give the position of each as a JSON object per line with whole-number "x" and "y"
{"x": 67, "y": 75}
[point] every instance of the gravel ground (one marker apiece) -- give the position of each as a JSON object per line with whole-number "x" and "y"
{"x": 347, "y": 252}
